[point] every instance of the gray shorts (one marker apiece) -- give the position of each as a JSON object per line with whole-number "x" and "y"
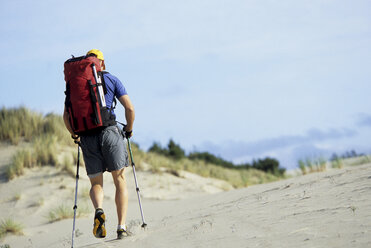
{"x": 104, "y": 151}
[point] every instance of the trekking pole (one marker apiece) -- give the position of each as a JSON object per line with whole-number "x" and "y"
{"x": 77, "y": 179}
{"x": 136, "y": 183}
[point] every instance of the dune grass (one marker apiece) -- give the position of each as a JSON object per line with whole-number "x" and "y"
{"x": 17, "y": 124}
{"x": 337, "y": 163}
{"x": 22, "y": 159}
{"x": 364, "y": 159}
{"x": 320, "y": 164}
{"x": 48, "y": 136}
{"x": 9, "y": 226}
{"x": 45, "y": 133}
{"x": 236, "y": 177}
{"x": 43, "y": 152}
{"x": 66, "y": 212}
{"x": 67, "y": 165}
{"x": 312, "y": 165}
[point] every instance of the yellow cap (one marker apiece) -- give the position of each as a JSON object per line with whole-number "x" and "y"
{"x": 96, "y": 52}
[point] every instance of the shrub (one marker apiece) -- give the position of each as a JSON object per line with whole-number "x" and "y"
{"x": 237, "y": 177}
{"x": 321, "y": 164}
{"x": 269, "y": 165}
{"x": 173, "y": 150}
{"x": 45, "y": 150}
{"x": 16, "y": 123}
{"x": 22, "y": 159}
{"x": 21, "y": 123}
{"x": 337, "y": 163}
{"x": 65, "y": 212}
{"x": 302, "y": 167}
{"x": 210, "y": 158}
{"x": 156, "y": 147}
{"x": 60, "y": 213}
{"x": 10, "y": 226}
{"x": 67, "y": 165}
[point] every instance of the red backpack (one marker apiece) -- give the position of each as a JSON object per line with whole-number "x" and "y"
{"x": 85, "y": 89}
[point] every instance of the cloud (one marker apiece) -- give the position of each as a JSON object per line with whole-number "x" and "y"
{"x": 364, "y": 120}
{"x": 287, "y": 148}
{"x": 238, "y": 148}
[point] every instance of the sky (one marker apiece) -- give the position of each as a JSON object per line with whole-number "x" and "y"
{"x": 242, "y": 79}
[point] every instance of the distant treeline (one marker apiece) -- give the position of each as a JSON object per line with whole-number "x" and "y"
{"x": 347, "y": 154}
{"x": 174, "y": 151}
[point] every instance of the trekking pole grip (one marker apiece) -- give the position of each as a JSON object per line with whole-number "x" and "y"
{"x": 130, "y": 151}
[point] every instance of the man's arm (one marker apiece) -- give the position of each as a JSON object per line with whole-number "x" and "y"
{"x": 67, "y": 123}
{"x": 129, "y": 112}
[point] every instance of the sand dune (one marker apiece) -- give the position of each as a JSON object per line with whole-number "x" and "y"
{"x": 329, "y": 209}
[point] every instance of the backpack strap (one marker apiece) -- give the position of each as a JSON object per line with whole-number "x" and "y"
{"x": 114, "y": 102}
{"x": 101, "y": 74}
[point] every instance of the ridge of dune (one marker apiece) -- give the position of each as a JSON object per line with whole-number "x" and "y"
{"x": 328, "y": 209}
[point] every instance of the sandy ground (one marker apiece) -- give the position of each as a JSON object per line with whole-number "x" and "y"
{"x": 328, "y": 209}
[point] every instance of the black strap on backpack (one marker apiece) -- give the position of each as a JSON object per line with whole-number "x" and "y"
{"x": 114, "y": 102}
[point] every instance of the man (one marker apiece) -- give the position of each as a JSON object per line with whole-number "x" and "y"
{"x": 106, "y": 150}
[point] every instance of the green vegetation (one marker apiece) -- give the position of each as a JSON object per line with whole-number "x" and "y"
{"x": 48, "y": 138}
{"x": 43, "y": 152}
{"x": 210, "y": 158}
{"x": 337, "y": 163}
{"x": 312, "y": 165}
{"x": 174, "y": 151}
{"x": 67, "y": 165}
{"x": 204, "y": 164}
{"x": 9, "y": 226}
{"x": 65, "y": 212}
{"x": 17, "y": 124}
{"x": 45, "y": 133}
{"x": 237, "y": 177}
{"x": 349, "y": 158}
{"x": 22, "y": 159}
{"x": 269, "y": 165}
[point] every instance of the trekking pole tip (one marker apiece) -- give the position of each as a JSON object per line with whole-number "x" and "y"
{"x": 144, "y": 225}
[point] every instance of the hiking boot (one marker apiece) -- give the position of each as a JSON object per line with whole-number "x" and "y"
{"x": 99, "y": 229}
{"x": 122, "y": 233}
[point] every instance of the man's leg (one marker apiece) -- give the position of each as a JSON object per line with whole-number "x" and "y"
{"x": 96, "y": 196}
{"x": 96, "y": 191}
{"x": 121, "y": 197}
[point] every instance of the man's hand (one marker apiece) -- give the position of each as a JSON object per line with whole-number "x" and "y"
{"x": 75, "y": 138}
{"x": 128, "y": 133}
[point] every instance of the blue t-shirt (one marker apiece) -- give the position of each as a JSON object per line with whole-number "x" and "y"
{"x": 114, "y": 89}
